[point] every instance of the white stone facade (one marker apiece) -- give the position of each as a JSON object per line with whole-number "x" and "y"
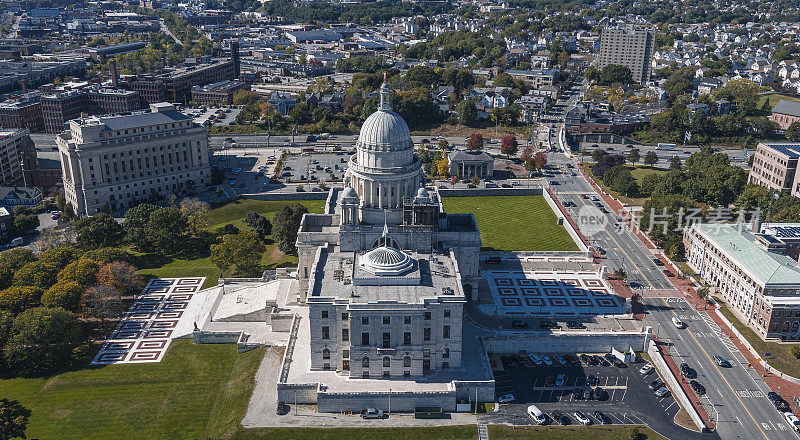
{"x": 118, "y": 161}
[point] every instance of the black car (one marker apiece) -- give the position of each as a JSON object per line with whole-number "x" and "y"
{"x": 577, "y": 394}
{"x": 548, "y": 324}
{"x": 586, "y": 359}
{"x": 658, "y": 262}
{"x": 505, "y": 185}
{"x": 656, "y": 384}
{"x": 519, "y": 324}
{"x": 698, "y": 389}
{"x": 602, "y": 418}
{"x": 602, "y": 361}
{"x": 778, "y": 401}
{"x": 598, "y": 394}
{"x": 591, "y": 380}
{"x": 493, "y": 260}
{"x": 575, "y": 324}
{"x": 282, "y": 409}
{"x": 687, "y": 371}
{"x": 559, "y": 417}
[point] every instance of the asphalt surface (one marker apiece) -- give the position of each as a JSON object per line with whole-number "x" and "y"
{"x": 735, "y": 397}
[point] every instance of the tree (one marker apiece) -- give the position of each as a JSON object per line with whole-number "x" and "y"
{"x": 101, "y": 302}
{"x": 260, "y": 225}
{"x": 475, "y": 141}
{"x": 123, "y": 277}
{"x": 36, "y": 273}
{"x": 135, "y": 226}
{"x": 18, "y": 298}
{"x": 636, "y": 297}
{"x": 509, "y": 146}
{"x": 443, "y": 144}
{"x": 675, "y": 163}
{"x": 634, "y": 156}
{"x": 99, "y": 230}
{"x": 475, "y": 180}
{"x": 597, "y": 154}
{"x": 165, "y": 229}
{"x": 197, "y": 214}
{"x": 65, "y": 295}
{"x": 42, "y": 341}
{"x": 796, "y": 351}
{"x": 229, "y": 229}
{"x": 285, "y": 225}
{"x": 651, "y": 158}
{"x": 620, "y": 274}
{"x": 615, "y": 73}
{"x": 26, "y": 222}
{"x": 467, "y": 112}
{"x": 443, "y": 166}
{"x": 13, "y": 419}
{"x": 242, "y": 250}
{"x": 793, "y": 132}
{"x": 11, "y": 261}
{"x": 540, "y": 160}
{"x": 606, "y": 163}
{"x": 83, "y": 272}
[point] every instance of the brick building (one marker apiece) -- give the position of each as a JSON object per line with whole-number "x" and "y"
{"x": 785, "y": 112}
{"x": 59, "y": 108}
{"x": 220, "y": 93}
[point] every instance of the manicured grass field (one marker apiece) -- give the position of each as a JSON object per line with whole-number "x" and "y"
{"x": 503, "y": 432}
{"x": 514, "y": 223}
{"x": 196, "y": 391}
{"x": 781, "y": 357}
{"x": 198, "y": 264}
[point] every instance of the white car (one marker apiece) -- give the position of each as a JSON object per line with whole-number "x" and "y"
{"x": 536, "y": 415}
{"x": 677, "y": 322}
{"x": 506, "y": 398}
{"x": 547, "y": 360}
{"x": 646, "y": 369}
{"x": 661, "y": 392}
{"x": 792, "y": 420}
{"x": 579, "y": 416}
{"x": 536, "y": 360}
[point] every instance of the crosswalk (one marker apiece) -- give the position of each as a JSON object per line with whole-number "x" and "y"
{"x": 723, "y": 337}
{"x": 483, "y": 432}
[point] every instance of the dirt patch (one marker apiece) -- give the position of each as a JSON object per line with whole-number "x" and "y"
{"x": 682, "y": 419}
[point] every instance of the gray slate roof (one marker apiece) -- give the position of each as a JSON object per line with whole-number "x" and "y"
{"x": 786, "y": 107}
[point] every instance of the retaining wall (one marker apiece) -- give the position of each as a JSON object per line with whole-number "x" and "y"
{"x": 572, "y": 342}
{"x": 478, "y": 192}
{"x": 400, "y": 402}
{"x": 677, "y": 390}
{"x": 566, "y": 221}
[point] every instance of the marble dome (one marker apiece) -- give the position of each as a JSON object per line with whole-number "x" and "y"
{"x": 385, "y": 129}
{"x": 386, "y": 261}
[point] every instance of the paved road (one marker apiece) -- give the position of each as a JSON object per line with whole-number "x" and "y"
{"x": 736, "y": 397}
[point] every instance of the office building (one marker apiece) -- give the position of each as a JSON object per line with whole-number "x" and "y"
{"x": 24, "y": 112}
{"x": 759, "y": 283}
{"x": 16, "y": 149}
{"x": 628, "y": 46}
{"x": 775, "y": 167}
{"x": 117, "y": 161}
{"x": 60, "y": 107}
{"x": 220, "y": 93}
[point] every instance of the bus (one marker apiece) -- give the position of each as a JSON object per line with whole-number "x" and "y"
{"x": 663, "y": 146}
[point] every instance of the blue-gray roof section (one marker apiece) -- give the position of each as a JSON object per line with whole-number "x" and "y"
{"x": 786, "y": 107}
{"x": 140, "y": 119}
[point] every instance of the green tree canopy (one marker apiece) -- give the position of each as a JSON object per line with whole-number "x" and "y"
{"x": 42, "y": 341}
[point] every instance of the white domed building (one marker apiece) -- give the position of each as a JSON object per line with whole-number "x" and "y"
{"x": 385, "y": 273}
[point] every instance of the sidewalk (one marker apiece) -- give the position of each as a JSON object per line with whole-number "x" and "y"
{"x": 698, "y": 406}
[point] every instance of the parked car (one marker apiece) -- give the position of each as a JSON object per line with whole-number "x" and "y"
{"x": 560, "y": 379}
{"x": 721, "y": 361}
{"x": 493, "y": 260}
{"x": 780, "y": 404}
{"x": 547, "y": 360}
{"x": 519, "y": 324}
{"x": 548, "y": 324}
{"x": 658, "y": 262}
{"x": 55, "y": 215}
{"x": 550, "y": 381}
{"x": 506, "y": 398}
{"x": 656, "y": 384}
{"x": 587, "y": 394}
{"x": 661, "y": 392}
{"x": 579, "y": 416}
{"x": 646, "y": 369}
{"x": 575, "y": 324}
{"x": 282, "y": 408}
{"x": 559, "y": 417}
{"x": 591, "y": 380}
{"x": 536, "y": 360}
{"x": 602, "y": 418}
{"x": 698, "y": 389}
{"x": 601, "y": 361}
{"x": 577, "y": 394}
{"x": 668, "y": 273}
{"x": 372, "y": 413}
{"x": 792, "y": 420}
{"x": 598, "y": 394}
{"x": 536, "y": 415}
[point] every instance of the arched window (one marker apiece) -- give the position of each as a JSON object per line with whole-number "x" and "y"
{"x": 387, "y": 361}
{"x": 326, "y": 354}
{"x": 365, "y": 362}
{"x": 407, "y": 361}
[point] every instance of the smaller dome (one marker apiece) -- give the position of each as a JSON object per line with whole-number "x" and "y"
{"x": 348, "y": 194}
{"x": 422, "y": 195}
{"x": 386, "y": 261}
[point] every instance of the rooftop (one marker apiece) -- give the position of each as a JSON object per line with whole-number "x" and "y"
{"x": 791, "y": 149}
{"x": 743, "y": 248}
{"x": 786, "y": 107}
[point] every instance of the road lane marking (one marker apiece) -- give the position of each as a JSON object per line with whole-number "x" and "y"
{"x": 723, "y": 378}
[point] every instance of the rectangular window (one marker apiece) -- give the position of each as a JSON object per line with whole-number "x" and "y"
{"x": 426, "y": 335}
{"x": 345, "y": 334}
{"x": 324, "y": 314}
{"x": 426, "y": 352}
{"x": 325, "y": 332}
{"x": 364, "y": 338}
{"x": 406, "y": 338}
{"x": 407, "y": 320}
{"x": 446, "y": 332}
{"x": 365, "y": 320}
{"x": 387, "y": 320}
{"x": 427, "y": 316}
{"x": 345, "y": 354}
{"x": 446, "y": 313}
{"x": 344, "y": 316}
{"x": 387, "y": 339}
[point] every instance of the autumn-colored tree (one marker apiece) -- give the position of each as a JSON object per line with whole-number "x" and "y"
{"x": 36, "y": 274}
{"x": 475, "y": 141}
{"x": 18, "y": 298}
{"x": 197, "y": 213}
{"x": 510, "y": 145}
{"x": 65, "y": 295}
{"x": 11, "y": 261}
{"x": 453, "y": 180}
{"x": 540, "y": 159}
{"x": 101, "y": 302}
{"x": 83, "y": 272}
{"x": 121, "y": 276}
{"x": 443, "y": 166}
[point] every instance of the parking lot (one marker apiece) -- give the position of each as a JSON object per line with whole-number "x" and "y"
{"x": 622, "y": 394}
{"x": 315, "y": 167}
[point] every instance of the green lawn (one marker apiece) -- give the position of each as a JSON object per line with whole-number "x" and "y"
{"x": 781, "y": 357}
{"x": 638, "y": 172}
{"x": 503, "y": 432}
{"x": 196, "y": 391}
{"x": 197, "y": 263}
{"x": 514, "y": 223}
{"x": 773, "y": 99}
